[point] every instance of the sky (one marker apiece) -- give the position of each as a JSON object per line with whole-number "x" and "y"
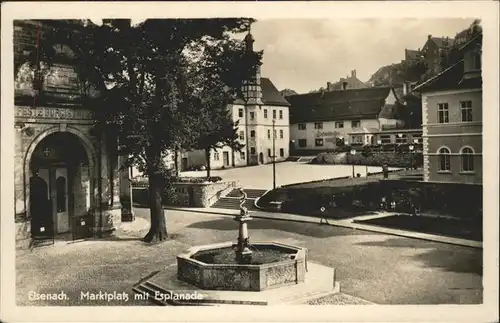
{"x": 303, "y": 55}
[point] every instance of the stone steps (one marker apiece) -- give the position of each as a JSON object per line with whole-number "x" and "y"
{"x": 232, "y": 203}
{"x": 251, "y": 193}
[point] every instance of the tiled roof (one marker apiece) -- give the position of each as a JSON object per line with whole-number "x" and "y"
{"x": 450, "y": 78}
{"x": 442, "y": 41}
{"x": 270, "y": 94}
{"x": 338, "y": 105}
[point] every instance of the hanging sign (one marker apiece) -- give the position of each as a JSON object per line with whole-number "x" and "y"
{"x": 82, "y": 223}
{"x": 42, "y": 229}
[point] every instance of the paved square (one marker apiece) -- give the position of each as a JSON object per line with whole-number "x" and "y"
{"x": 380, "y": 268}
{"x": 261, "y": 176}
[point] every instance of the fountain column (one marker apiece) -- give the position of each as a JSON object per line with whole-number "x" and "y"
{"x": 243, "y": 252}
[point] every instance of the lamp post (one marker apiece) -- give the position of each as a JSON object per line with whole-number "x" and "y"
{"x": 274, "y": 154}
{"x": 353, "y": 152}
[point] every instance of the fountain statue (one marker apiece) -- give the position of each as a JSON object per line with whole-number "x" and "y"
{"x": 243, "y": 252}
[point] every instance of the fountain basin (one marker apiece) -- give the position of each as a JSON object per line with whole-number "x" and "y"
{"x": 213, "y": 267}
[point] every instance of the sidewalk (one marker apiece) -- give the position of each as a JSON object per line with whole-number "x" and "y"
{"x": 346, "y": 223}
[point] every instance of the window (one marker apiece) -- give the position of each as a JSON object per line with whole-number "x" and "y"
{"x": 401, "y": 140}
{"x": 339, "y": 124}
{"x": 477, "y": 61}
{"x": 355, "y": 124}
{"x": 265, "y": 113}
{"x": 274, "y": 114}
{"x": 281, "y": 133}
{"x": 268, "y": 134}
{"x": 318, "y": 142}
{"x": 318, "y": 125}
{"x": 385, "y": 139}
{"x": 240, "y": 113}
{"x": 281, "y": 114}
{"x": 252, "y": 150}
{"x": 443, "y": 115}
{"x": 282, "y": 152}
{"x": 252, "y": 133}
{"x": 302, "y": 142}
{"x": 302, "y": 126}
{"x": 357, "y": 140}
{"x": 242, "y": 155}
{"x": 269, "y": 153}
{"x": 242, "y": 135}
{"x": 216, "y": 156}
{"x": 444, "y": 159}
{"x": 467, "y": 156}
{"x": 466, "y": 108}
{"x": 252, "y": 115}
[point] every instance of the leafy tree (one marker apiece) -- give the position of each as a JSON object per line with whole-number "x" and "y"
{"x": 217, "y": 76}
{"x": 413, "y": 70}
{"x": 148, "y": 95}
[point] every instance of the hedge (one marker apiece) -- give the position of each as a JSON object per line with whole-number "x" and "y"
{"x": 392, "y": 159}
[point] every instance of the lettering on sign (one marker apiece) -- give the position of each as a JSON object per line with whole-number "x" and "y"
{"x": 326, "y": 134}
{"x": 53, "y": 113}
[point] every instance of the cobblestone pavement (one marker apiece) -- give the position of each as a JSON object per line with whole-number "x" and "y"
{"x": 380, "y": 268}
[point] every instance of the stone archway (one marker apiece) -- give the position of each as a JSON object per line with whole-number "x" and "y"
{"x": 90, "y": 153}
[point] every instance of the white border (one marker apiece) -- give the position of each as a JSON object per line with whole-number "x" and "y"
{"x": 486, "y": 10}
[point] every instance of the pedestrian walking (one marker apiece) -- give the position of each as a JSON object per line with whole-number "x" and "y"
{"x": 326, "y": 207}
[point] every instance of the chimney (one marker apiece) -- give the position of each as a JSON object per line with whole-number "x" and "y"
{"x": 429, "y": 37}
{"x": 344, "y": 86}
{"x": 353, "y": 73}
{"x": 328, "y": 86}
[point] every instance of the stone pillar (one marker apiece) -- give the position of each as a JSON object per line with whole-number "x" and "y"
{"x": 108, "y": 215}
{"x": 21, "y": 202}
{"x": 126, "y": 196}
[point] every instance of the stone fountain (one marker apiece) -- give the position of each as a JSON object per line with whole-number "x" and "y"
{"x": 267, "y": 267}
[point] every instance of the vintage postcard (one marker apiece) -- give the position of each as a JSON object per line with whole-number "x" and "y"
{"x": 254, "y": 161}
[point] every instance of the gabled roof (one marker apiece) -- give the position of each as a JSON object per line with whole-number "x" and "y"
{"x": 270, "y": 94}
{"x": 338, "y": 105}
{"x": 450, "y": 78}
{"x": 442, "y": 41}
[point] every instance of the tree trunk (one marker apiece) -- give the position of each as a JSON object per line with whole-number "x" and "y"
{"x": 207, "y": 158}
{"x": 158, "y": 229}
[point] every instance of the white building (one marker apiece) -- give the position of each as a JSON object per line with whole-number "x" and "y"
{"x": 354, "y": 116}
{"x": 255, "y": 115}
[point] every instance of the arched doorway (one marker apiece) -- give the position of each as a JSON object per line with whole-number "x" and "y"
{"x": 60, "y": 186}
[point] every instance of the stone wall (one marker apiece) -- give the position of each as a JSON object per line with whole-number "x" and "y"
{"x": 188, "y": 194}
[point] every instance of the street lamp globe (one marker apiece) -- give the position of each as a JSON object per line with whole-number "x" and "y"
{"x": 411, "y": 147}
{"x": 400, "y": 135}
{"x": 379, "y": 142}
{"x": 353, "y": 151}
{"x": 415, "y": 141}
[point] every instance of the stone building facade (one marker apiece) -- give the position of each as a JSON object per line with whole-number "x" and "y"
{"x": 67, "y": 177}
{"x": 452, "y": 120}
